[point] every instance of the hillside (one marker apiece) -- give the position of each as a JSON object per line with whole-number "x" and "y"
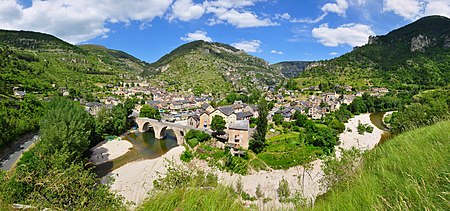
{"x": 52, "y": 61}
{"x": 291, "y": 69}
{"x": 409, "y": 172}
{"x": 216, "y": 68}
{"x": 416, "y": 56}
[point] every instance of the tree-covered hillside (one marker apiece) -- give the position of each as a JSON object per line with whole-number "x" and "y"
{"x": 211, "y": 68}
{"x": 416, "y": 56}
{"x": 37, "y": 62}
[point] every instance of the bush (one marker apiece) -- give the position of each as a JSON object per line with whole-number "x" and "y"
{"x": 192, "y": 142}
{"x": 199, "y": 135}
{"x": 187, "y": 156}
{"x": 283, "y": 190}
{"x": 362, "y": 128}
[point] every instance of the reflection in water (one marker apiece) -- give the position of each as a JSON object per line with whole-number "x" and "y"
{"x": 145, "y": 146}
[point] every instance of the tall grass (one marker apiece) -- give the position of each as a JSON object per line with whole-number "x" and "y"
{"x": 194, "y": 198}
{"x": 409, "y": 172}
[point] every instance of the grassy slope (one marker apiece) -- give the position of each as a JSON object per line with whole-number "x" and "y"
{"x": 219, "y": 198}
{"x": 409, "y": 172}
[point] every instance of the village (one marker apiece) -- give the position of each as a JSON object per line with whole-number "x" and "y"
{"x": 196, "y": 111}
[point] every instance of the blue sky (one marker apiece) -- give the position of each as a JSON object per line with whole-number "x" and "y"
{"x": 275, "y": 30}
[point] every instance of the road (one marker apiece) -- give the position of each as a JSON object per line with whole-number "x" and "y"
{"x": 7, "y": 162}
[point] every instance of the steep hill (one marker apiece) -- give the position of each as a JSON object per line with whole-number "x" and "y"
{"x": 205, "y": 67}
{"x": 408, "y": 172}
{"x": 415, "y": 56}
{"x": 38, "y": 62}
{"x": 291, "y": 69}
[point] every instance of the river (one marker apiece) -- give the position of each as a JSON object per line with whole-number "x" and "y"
{"x": 377, "y": 119}
{"x": 145, "y": 146}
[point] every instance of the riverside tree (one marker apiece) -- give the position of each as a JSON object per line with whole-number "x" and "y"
{"x": 147, "y": 111}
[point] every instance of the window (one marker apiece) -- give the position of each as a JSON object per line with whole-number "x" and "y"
{"x": 237, "y": 138}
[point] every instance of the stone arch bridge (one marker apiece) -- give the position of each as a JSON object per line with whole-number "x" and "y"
{"x": 144, "y": 124}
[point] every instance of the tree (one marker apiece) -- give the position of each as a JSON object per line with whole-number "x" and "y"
{"x": 218, "y": 124}
{"x": 300, "y": 119}
{"x": 278, "y": 119}
{"x": 258, "y": 143}
{"x": 67, "y": 126}
{"x": 149, "y": 112}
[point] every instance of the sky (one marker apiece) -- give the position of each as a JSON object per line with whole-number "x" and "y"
{"x": 275, "y": 30}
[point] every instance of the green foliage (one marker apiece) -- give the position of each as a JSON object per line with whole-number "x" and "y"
{"x": 53, "y": 174}
{"x": 65, "y": 120}
{"x": 18, "y": 118}
{"x": 200, "y": 136}
{"x": 288, "y": 150}
{"x": 283, "y": 190}
{"x": 362, "y": 128}
{"x": 389, "y": 61}
{"x": 195, "y": 198}
{"x": 218, "y": 124}
{"x": 192, "y": 142}
{"x": 278, "y": 119}
{"x": 321, "y": 136}
{"x": 149, "y": 112}
{"x": 258, "y": 143}
{"x": 427, "y": 108}
{"x": 408, "y": 172}
{"x": 259, "y": 193}
{"x": 189, "y": 189}
{"x": 187, "y": 156}
{"x": 204, "y": 67}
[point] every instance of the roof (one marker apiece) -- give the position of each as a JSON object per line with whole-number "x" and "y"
{"x": 205, "y": 105}
{"x": 93, "y": 104}
{"x": 196, "y": 117}
{"x": 227, "y": 110}
{"x": 243, "y": 115}
{"x": 239, "y": 125}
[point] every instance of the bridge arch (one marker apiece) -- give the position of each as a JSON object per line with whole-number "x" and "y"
{"x": 160, "y": 128}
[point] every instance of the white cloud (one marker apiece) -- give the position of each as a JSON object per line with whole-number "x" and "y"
{"x": 438, "y": 7}
{"x": 350, "y": 34}
{"x": 248, "y": 46}
{"x": 244, "y": 19}
{"x": 409, "y": 9}
{"x": 77, "y": 20}
{"x": 284, "y": 16}
{"x": 333, "y": 53}
{"x": 340, "y": 7}
{"x": 308, "y": 20}
{"x": 233, "y": 12}
{"x": 197, "y": 35}
{"x": 276, "y": 52}
{"x": 186, "y": 10}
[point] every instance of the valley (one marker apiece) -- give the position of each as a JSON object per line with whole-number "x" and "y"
{"x": 209, "y": 123}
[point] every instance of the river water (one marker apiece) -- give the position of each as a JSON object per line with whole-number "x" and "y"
{"x": 145, "y": 146}
{"x": 377, "y": 119}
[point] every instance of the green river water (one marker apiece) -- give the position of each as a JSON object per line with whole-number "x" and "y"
{"x": 145, "y": 146}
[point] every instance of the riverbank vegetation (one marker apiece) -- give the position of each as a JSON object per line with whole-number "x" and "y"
{"x": 55, "y": 174}
{"x": 190, "y": 189}
{"x": 409, "y": 172}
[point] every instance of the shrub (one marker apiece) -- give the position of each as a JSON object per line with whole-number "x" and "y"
{"x": 283, "y": 190}
{"x": 187, "y": 156}
{"x": 192, "y": 142}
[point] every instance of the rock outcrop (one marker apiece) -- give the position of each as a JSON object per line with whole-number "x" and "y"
{"x": 419, "y": 43}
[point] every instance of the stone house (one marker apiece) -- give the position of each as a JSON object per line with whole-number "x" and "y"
{"x": 193, "y": 121}
{"x": 238, "y": 134}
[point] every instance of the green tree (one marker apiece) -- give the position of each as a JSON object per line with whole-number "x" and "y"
{"x": 66, "y": 126}
{"x": 258, "y": 143}
{"x": 218, "y": 124}
{"x": 148, "y": 111}
{"x": 278, "y": 119}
